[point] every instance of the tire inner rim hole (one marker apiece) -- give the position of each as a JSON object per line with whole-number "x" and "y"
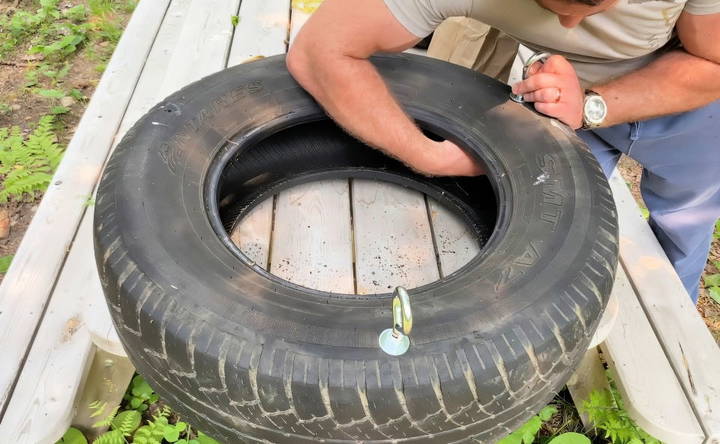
{"x": 314, "y": 206}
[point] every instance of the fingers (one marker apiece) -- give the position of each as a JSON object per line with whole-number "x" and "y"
{"x": 548, "y": 95}
{"x": 538, "y": 81}
{"x": 558, "y": 65}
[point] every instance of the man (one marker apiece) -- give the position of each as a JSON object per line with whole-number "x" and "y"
{"x": 653, "y": 100}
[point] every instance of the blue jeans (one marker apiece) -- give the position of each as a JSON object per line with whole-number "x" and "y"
{"x": 680, "y": 155}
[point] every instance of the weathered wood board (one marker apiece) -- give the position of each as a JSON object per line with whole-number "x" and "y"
{"x": 27, "y": 285}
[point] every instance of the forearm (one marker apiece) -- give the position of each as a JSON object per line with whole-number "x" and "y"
{"x": 676, "y": 82}
{"x": 353, "y": 93}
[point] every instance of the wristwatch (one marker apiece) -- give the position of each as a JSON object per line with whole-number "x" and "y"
{"x": 594, "y": 110}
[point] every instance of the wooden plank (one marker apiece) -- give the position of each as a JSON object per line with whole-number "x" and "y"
{"x": 311, "y": 243}
{"x": 653, "y": 397}
{"x": 252, "y": 235}
{"x": 262, "y": 31}
{"x": 28, "y": 283}
{"x": 393, "y": 241}
{"x": 146, "y": 93}
{"x": 168, "y": 71}
{"x": 693, "y": 353}
{"x": 203, "y": 44}
{"x": 455, "y": 241}
{"x": 41, "y": 407}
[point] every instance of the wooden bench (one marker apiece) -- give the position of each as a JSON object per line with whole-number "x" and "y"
{"x": 60, "y": 350}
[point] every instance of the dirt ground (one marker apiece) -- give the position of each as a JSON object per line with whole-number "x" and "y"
{"x": 26, "y": 107}
{"x": 708, "y": 308}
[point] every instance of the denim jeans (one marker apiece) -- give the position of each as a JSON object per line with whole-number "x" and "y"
{"x": 680, "y": 155}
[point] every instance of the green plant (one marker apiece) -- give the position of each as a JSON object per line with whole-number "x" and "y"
{"x": 68, "y": 38}
{"x": 570, "y": 438}
{"x": 27, "y": 163}
{"x": 77, "y": 13}
{"x": 73, "y": 436}
{"x": 22, "y": 24}
{"x": 121, "y": 425}
{"x": 101, "y": 7}
{"x": 527, "y": 432}
{"x": 56, "y": 73}
{"x": 5, "y": 263}
{"x": 54, "y": 95}
{"x": 712, "y": 284}
{"x": 5, "y": 108}
{"x": 140, "y": 395}
{"x": 606, "y": 411}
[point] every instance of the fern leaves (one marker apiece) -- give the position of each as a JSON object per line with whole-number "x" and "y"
{"x": 27, "y": 164}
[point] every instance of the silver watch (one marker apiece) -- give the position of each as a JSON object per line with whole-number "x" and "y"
{"x": 594, "y": 110}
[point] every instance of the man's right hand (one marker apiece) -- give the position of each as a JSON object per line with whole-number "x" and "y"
{"x": 447, "y": 159}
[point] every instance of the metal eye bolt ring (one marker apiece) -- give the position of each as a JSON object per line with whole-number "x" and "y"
{"x": 537, "y": 57}
{"x": 394, "y": 341}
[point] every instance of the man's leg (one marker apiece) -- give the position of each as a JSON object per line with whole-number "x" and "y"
{"x": 681, "y": 186}
{"x": 606, "y": 153}
{"x": 681, "y": 180}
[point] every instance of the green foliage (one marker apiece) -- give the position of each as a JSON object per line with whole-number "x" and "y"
{"x": 27, "y": 163}
{"x": 5, "y": 108}
{"x": 5, "y": 263}
{"x": 527, "y": 432}
{"x": 570, "y": 438}
{"x": 56, "y": 73}
{"x": 126, "y": 422}
{"x": 73, "y": 436}
{"x": 68, "y": 37}
{"x": 606, "y": 411}
{"x": 51, "y": 93}
{"x": 234, "y": 20}
{"x": 140, "y": 395}
{"x": 78, "y": 95}
{"x": 128, "y": 6}
{"x": 712, "y": 284}
{"x": 56, "y": 110}
{"x": 21, "y": 25}
{"x": 77, "y": 13}
{"x": 101, "y": 7}
{"x": 716, "y": 233}
{"x": 111, "y": 437}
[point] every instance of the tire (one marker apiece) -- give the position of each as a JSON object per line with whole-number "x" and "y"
{"x": 248, "y": 357}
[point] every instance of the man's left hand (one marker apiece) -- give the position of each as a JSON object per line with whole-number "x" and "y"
{"x": 555, "y": 89}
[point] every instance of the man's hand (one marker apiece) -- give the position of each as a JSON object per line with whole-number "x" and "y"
{"x": 555, "y": 89}
{"x": 447, "y": 159}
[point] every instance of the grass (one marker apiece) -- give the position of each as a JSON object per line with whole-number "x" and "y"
{"x": 51, "y": 37}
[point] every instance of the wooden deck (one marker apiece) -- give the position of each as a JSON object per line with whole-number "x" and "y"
{"x": 53, "y": 316}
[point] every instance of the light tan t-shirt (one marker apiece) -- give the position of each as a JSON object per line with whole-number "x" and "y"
{"x": 603, "y": 46}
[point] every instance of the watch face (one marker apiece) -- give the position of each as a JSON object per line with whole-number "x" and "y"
{"x": 595, "y": 110}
